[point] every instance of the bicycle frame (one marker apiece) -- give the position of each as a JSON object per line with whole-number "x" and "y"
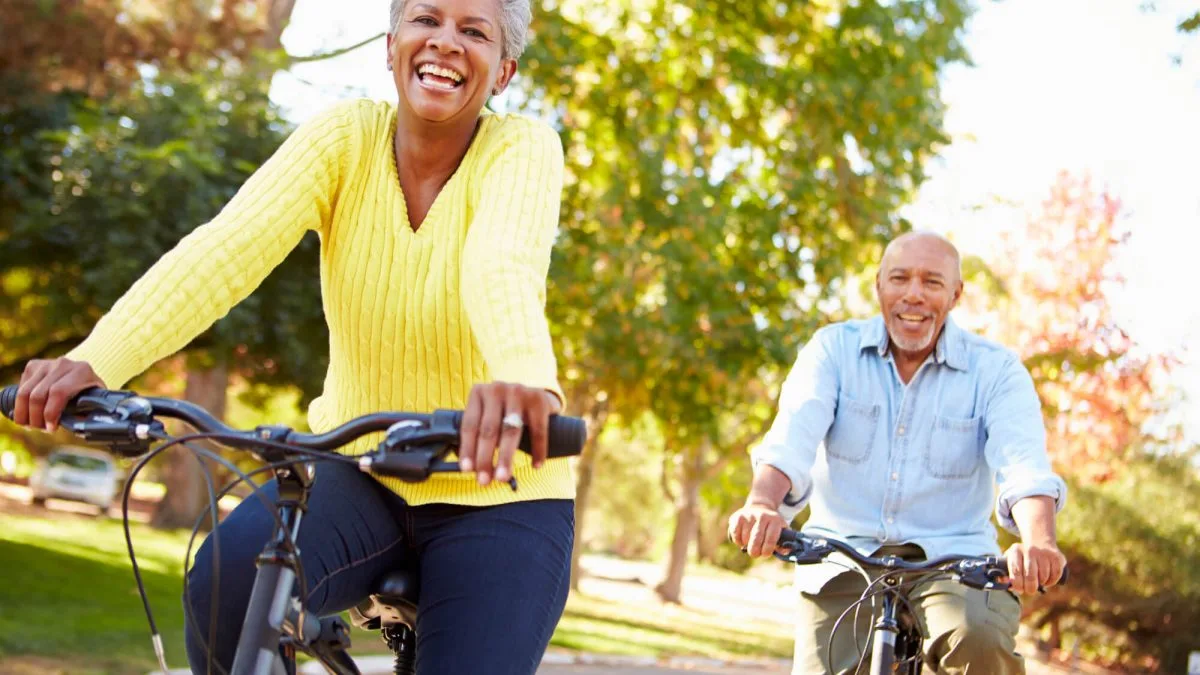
{"x": 274, "y": 620}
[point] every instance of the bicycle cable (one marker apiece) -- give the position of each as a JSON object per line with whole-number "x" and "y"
{"x": 302, "y": 580}
{"x": 170, "y": 442}
{"x": 868, "y": 594}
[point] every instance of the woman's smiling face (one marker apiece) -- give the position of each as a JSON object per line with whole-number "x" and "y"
{"x": 447, "y": 57}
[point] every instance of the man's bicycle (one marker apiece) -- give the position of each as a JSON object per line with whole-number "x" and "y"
{"x": 896, "y": 639}
{"x": 276, "y": 625}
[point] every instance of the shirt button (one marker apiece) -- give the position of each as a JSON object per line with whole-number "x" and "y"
{"x": 900, "y": 431}
{"x": 895, "y": 476}
{"x": 891, "y": 520}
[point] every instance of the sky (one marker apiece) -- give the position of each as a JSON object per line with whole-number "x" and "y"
{"x": 1105, "y": 88}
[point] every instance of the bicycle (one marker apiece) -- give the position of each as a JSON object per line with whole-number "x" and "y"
{"x": 896, "y": 639}
{"x": 276, "y": 625}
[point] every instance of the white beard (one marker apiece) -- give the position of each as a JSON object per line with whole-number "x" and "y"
{"x": 914, "y": 344}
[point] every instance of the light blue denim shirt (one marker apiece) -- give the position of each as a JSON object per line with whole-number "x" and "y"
{"x": 883, "y": 463}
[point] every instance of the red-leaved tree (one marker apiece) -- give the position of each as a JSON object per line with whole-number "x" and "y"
{"x": 1055, "y": 277}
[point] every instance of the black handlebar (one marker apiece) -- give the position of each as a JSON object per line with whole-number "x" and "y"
{"x": 802, "y": 549}
{"x": 566, "y": 435}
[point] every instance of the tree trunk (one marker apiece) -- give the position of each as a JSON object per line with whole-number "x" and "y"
{"x": 187, "y": 493}
{"x": 583, "y": 490}
{"x": 687, "y": 517}
{"x": 596, "y": 417}
{"x": 1055, "y": 641}
{"x": 277, "y": 15}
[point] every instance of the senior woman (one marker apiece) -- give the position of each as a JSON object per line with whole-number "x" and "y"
{"x": 436, "y": 219}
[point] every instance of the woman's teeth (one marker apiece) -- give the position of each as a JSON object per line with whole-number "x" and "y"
{"x": 436, "y": 76}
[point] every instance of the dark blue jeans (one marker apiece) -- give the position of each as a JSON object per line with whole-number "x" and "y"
{"x": 494, "y": 580}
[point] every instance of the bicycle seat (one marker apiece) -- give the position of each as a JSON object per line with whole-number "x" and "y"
{"x": 392, "y": 601}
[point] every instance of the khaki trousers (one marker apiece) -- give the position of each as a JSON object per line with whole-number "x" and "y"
{"x": 967, "y": 631}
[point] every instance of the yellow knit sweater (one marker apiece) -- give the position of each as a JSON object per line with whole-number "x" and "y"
{"x": 415, "y": 318}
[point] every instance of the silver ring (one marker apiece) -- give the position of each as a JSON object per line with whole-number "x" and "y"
{"x": 513, "y": 420}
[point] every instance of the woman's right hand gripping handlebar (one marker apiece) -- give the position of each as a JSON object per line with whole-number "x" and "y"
{"x": 47, "y": 386}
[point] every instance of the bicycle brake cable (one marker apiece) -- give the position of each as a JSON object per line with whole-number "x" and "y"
{"x": 242, "y": 477}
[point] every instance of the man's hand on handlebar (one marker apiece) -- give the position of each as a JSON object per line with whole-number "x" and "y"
{"x": 487, "y": 443}
{"x": 756, "y": 528}
{"x": 1033, "y": 566}
{"x": 47, "y": 386}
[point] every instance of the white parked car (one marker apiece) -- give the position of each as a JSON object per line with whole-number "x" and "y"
{"x": 76, "y": 474}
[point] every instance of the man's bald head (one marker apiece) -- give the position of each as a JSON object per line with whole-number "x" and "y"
{"x": 927, "y": 242}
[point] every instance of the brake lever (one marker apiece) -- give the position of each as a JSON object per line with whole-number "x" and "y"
{"x": 412, "y": 451}
{"x": 803, "y": 551}
{"x": 122, "y": 423}
{"x": 979, "y": 575}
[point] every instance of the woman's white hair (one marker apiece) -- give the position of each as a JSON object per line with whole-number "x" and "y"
{"x": 515, "y": 16}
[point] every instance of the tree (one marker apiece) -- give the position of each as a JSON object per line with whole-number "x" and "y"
{"x": 725, "y": 167}
{"x": 1133, "y": 599}
{"x": 1133, "y": 590}
{"x": 1191, "y": 24}
{"x": 1098, "y": 389}
{"x": 128, "y": 151}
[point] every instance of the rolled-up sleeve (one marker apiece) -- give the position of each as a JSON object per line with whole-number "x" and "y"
{"x": 806, "y": 407}
{"x": 1016, "y": 444}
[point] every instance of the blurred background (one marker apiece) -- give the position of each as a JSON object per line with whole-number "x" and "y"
{"x": 733, "y": 171}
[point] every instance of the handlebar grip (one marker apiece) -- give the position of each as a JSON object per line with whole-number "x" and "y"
{"x": 8, "y": 400}
{"x": 565, "y": 435}
{"x": 1001, "y": 563}
{"x": 86, "y": 401}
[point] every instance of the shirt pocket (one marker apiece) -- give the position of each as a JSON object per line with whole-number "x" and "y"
{"x": 853, "y": 432}
{"x": 954, "y": 447}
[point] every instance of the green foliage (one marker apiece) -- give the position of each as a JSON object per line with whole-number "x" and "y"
{"x": 96, "y": 191}
{"x": 726, "y": 167}
{"x": 1134, "y": 549}
{"x": 628, "y": 509}
{"x": 1190, "y": 24}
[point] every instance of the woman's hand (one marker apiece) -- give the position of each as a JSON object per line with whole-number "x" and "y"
{"x": 47, "y": 386}
{"x": 484, "y": 430}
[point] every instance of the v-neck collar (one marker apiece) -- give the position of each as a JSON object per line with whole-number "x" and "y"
{"x": 424, "y": 227}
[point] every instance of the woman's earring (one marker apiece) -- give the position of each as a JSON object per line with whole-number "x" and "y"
{"x": 389, "y": 65}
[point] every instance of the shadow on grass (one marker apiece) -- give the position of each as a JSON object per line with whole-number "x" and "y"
{"x": 80, "y": 610}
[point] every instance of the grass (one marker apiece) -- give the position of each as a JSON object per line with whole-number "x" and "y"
{"x": 69, "y": 593}
{"x": 69, "y": 603}
{"x": 596, "y": 625}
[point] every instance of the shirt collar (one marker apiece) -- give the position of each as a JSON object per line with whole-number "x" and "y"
{"x": 951, "y": 349}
